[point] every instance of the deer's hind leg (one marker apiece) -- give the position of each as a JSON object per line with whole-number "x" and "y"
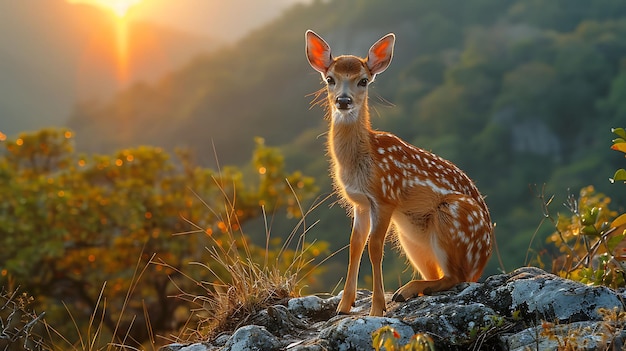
{"x": 446, "y": 251}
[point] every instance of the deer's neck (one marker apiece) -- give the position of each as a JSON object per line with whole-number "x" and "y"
{"x": 350, "y": 147}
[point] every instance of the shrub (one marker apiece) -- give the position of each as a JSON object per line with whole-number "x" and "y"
{"x": 591, "y": 240}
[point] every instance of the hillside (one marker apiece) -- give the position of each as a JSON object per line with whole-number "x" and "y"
{"x": 54, "y": 53}
{"x": 518, "y": 94}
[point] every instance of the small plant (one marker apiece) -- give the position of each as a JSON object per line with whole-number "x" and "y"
{"x": 493, "y": 324}
{"x": 619, "y": 144}
{"x": 591, "y": 249}
{"x": 17, "y": 321}
{"x": 591, "y": 241}
{"x": 614, "y": 319}
{"x": 577, "y": 338}
{"x": 386, "y": 338}
{"x": 568, "y": 340}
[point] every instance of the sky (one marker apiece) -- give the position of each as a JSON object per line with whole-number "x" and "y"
{"x": 57, "y": 53}
{"x": 226, "y": 20}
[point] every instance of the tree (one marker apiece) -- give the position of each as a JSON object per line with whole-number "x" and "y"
{"x": 69, "y": 223}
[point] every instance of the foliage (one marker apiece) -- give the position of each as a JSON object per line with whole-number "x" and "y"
{"x": 619, "y": 144}
{"x": 386, "y": 337}
{"x": 592, "y": 241}
{"x": 70, "y": 222}
{"x": 591, "y": 247}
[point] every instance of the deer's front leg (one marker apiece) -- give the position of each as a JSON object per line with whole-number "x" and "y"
{"x": 358, "y": 238}
{"x": 380, "y": 218}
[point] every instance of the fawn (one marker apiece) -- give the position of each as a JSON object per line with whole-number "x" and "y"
{"x": 441, "y": 220}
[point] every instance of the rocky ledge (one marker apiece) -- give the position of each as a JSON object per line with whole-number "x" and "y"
{"x": 527, "y": 309}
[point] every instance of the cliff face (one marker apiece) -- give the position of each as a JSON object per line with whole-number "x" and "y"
{"x": 525, "y": 309}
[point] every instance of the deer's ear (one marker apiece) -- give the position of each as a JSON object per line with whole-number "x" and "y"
{"x": 380, "y": 54}
{"x": 317, "y": 52}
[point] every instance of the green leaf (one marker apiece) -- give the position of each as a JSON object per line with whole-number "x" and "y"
{"x": 590, "y": 230}
{"x": 619, "y": 132}
{"x": 618, "y": 140}
{"x": 614, "y": 241}
{"x": 620, "y": 175}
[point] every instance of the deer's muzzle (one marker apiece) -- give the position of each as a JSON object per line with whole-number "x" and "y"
{"x": 343, "y": 102}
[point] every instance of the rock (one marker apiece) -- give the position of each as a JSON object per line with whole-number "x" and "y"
{"x": 182, "y": 347}
{"x": 355, "y": 333}
{"x": 458, "y": 323}
{"x": 279, "y": 321}
{"x": 525, "y": 309}
{"x": 252, "y": 338}
{"x": 313, "y": 306}
{"x": 194, "y": 347}
{"x": 534, "y": 292}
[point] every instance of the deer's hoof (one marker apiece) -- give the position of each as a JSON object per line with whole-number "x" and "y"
{"x": 397, "y": 297}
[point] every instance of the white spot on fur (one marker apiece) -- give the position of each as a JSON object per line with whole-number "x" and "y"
{"x": 469, "y": 256}
{"x": 429, "y": 183}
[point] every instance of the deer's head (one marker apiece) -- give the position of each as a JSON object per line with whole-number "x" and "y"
{"x": 347, "y": 77}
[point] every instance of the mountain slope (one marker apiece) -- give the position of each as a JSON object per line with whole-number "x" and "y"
{"x": 54, "y": 53}
{"x": 516, "y": 93}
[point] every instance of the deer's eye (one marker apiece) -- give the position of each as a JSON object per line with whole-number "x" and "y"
{"x": 330, "y": 80}
{"x": 362, "y": 82}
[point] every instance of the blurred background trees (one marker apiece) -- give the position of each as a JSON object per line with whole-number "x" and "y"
{"x": 518, "y": 94}
{"x": 74, "y": 226}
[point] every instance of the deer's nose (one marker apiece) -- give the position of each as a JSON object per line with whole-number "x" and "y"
{"x": 343, "y": 102}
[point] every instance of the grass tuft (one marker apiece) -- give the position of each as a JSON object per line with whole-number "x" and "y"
{"x": 246, "y": 278}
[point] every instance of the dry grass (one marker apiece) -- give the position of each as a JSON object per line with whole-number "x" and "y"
{"x": 94, "y": 337}
{"x": 17, "y": 321}
{"x": 246, "y": 279}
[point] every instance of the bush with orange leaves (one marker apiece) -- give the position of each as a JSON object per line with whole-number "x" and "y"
{"x": 591, "y": 241}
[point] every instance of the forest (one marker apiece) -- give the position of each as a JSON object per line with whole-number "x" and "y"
{"x": 522, "y": 95}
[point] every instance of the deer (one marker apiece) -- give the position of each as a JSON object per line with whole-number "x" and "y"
{"x": 434, "y": 210}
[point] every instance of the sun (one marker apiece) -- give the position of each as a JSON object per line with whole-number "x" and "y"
{"x": 121, "y": 38}
{"x": 119, "y": 7}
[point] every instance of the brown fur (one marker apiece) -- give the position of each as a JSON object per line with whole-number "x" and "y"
{"x": 441, "y": 220}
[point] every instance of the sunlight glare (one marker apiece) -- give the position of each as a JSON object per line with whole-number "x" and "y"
{"x": 119, "y": 7}
{"x": 121, "y": 29}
